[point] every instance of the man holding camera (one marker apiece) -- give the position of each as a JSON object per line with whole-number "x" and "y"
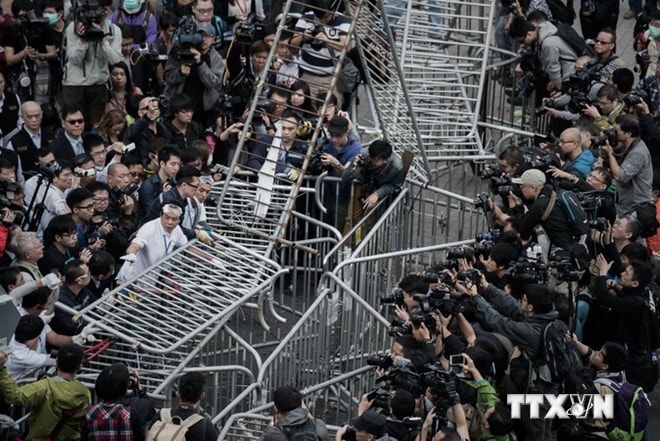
{"x": 607, "y": 100}
{"x": 537, "y": 195}
{"x": 198, "y": 77}
{"x": 321, "y": 34}
{"x": 92, "y": 44}
{"x": 630, "y": 165}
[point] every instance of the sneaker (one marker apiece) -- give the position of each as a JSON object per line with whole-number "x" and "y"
{"x": 629, "y": 14}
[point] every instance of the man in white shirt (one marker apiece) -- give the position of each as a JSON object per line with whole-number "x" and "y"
{"x": 153, "y": 241}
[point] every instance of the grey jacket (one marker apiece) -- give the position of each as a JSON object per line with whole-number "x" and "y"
{"x": 87, "y": 63}
{"x": 506, "y": 317}
{"x": 635, "y": 179}
{"x": 296, "y": 417}
{"x": 209, "y": 74}
{"x": 556, "y": 56}
{"x": 384, "y": 182}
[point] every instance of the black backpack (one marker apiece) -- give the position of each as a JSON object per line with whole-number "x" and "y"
{"x": 561, "y": 12}
{"x": 301, "y": 432}
{"x": 572, "y": 208}
{"x": 573, "y": 39}
{"x": 557, "y": 353}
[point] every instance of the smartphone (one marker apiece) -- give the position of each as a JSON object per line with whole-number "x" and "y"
{"x": 456, "y": 360}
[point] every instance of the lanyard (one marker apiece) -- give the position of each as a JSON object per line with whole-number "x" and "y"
{"x": 167, "y": 244}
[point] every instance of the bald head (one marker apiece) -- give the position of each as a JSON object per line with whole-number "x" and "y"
{"x": 570, "y": 142}
{"x": 32, "y": 115}
{"x": 118, "y": 176}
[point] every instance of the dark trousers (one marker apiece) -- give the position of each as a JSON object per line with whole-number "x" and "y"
{"x": 91, "y": 98}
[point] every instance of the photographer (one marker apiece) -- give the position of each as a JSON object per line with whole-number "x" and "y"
{"x": 321, "y": 34}
{"x": 497, "y": 263}
{"x": 92, "y": 45}
{"x": 537, "y": 195}
{"x": 146, "y": 127}
{"x": 579, "y": 160}
{"x": 81, "y": 204}
{"x": 523, "y": 323}
{"x": 630, "y": 166}
{"x": 379, "y": 169}
{"x": 28, "y": 48}
{"x": 195, "y": 71}
{"x": 606, "y": 58}
{"x": 609, "y": 108}
{"x": 556, "y": 57}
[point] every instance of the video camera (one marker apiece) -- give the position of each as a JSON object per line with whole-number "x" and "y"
{"x": 576, "y": 90}
{"x": 186, "y": 38}
{"x": 50, "y": 170}
{"x": 395, "y": 298}
{"x": 90, "y": 14}
{"x": 562, "y": 262}
{"x": 599, "y": 224}
{"x": 526, "y": 270}
{"x": 249, "y": 31}
{"x": 149, "y": 52}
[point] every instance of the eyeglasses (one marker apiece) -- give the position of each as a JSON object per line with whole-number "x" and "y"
{"x": 562, "y": 142}
{"x": 101, "y": 200}
{"x": 592, "y": 176}
{"x": 192, "y": 185}
{"x": 68, "y": 234}
{"x": 205, "y": 11}
{"x": 74, "y": 121}
{"x": 602, "y": 42}
{"x": 86, "y": 207}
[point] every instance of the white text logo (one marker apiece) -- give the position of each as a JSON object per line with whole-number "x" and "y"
{"x": 563, "y": 406}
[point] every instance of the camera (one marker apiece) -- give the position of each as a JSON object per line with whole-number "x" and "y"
{"x": 456, "y": 360}
{"x": 481, "y": 201}
{"x": 83, "y": 173}
{"x": 483, "y": 248}
{"x": 149, "y": 52}
{"x": 383, "y": 361}
{"x": 643, "y": 59}
{"x": 186, "y": 38}
{"x": 399, "y": 327}
{"x": 50, "y": 170}
{"x": 490, "y": 235}
{"x": 528, "y": 271}
{"x": 119, "y": 193}
{"x": 600, "y": 223}
{"x": 562, "y": 262}
{"x": 544, "y": 162}
{"x": 249, "y": 31}
{"x": 463, "y": 252}
{"x": 491, "y": 171}
{"x": 395, "y": 298}
{"x": 441, "y": 277}
{"x": 90, "y": 14}
{"x": 635, "y": 98}
{"x": 472, "y": 276}
{"x": 608, "y": 135}
{"x": 380, "y": 397}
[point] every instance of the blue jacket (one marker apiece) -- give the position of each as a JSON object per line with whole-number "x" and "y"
{"x": 331, "y": 195}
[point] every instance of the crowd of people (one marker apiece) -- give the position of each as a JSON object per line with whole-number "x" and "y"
{"x": 120, "y": 118}
{"x": 561, "y": 294}
{"x": 117, "y": 121}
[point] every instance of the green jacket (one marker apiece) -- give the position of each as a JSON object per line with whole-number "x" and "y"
{"x": 47, "y": 399}
{"x": 487, "y": 398}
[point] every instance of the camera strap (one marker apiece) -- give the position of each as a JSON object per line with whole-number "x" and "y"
{"x": 551, "y": 205}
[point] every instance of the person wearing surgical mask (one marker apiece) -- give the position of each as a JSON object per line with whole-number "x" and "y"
{"x": 652, "y": 38}
{"x": 135, "y": 15}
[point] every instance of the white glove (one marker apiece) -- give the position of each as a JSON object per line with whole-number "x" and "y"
{"x": 86, "y": 335}
{"x": 52, "y": 281}
{"x": 218, "y": 263}
{"x": 131, "y": 258}
{"x": 45, "y": 317}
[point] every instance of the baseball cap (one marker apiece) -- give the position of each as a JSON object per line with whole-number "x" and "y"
{"x": 370, "y": 422}
{"x": 338, "y": 126}
{"x": 530, "y": 177}
{"x": 206, "y": 27}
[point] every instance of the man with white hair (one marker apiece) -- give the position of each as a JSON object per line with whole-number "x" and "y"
{"x": 28, "y": 249}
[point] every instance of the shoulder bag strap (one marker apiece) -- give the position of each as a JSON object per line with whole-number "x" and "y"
{"x": 551, "y": 205}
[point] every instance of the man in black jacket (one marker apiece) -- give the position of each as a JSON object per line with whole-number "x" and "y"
{"x": 628, "y": 320}
{"x": 537, "y": 195}
{"x": 32, "y": 137}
